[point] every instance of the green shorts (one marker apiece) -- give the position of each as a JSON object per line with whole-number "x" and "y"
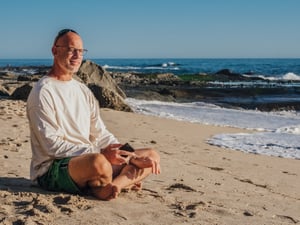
{"x": 58, "y": 179}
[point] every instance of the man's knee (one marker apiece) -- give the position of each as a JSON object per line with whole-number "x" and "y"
{"x": 101, "y": 170}
{"x": 101, "y": 165}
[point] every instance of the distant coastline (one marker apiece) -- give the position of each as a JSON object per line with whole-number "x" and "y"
{"x": 276, "y": 87}
{"x": 267, "y": 67}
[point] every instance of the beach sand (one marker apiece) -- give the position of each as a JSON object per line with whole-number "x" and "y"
{"x": 199, "y": 184}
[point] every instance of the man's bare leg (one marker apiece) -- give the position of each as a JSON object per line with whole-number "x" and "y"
{"x": 95, "y": 171}
{"x": 130, "y": 175}
{"x": 92, "y": 170}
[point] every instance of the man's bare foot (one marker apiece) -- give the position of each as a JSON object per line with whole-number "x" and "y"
{"x": 137, "y": 186}
{"x": 107, "y": 192}
{"x": 133, "y": 187}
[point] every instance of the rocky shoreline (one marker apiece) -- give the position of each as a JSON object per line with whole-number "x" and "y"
{"x": 111, "y": 88}
{"x": 243, "y": 92}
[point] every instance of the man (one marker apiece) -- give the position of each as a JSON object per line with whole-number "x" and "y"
{"x": 72, "y": 150}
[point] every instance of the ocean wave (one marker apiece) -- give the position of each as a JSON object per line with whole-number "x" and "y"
{"x": 289, "y": 130}
{"x": 121, "y": 67}
{"x": 159, "y": 67}
{"x": 208, "y": 113}
{"x": 286, "y": 77}
{"x": 265, "y": 143}
{"x": 272, "y": 133}
{"x": 291, "y": 76}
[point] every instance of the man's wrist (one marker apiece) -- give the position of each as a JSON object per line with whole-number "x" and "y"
{"x": 130, "y": 159}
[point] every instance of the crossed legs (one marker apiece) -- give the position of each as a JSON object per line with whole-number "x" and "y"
{"x": 105, "y": 180}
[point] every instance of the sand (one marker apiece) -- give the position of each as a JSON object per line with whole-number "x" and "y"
{"x": 199, "y": 184}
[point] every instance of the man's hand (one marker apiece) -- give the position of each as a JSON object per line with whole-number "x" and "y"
{"x": 116, "y": 156}
{"x": 146, "y": 162}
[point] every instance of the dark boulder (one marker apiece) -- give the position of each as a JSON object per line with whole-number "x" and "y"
{"x": 22, "y": 92}
{"x": 103, "y": 86}
{"x": 4, "y": 91}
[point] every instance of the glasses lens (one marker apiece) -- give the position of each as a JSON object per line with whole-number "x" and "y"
{"x": 80, "y": 51}
{"x": 73, "y": 51}
{"x": 84, "y": 51}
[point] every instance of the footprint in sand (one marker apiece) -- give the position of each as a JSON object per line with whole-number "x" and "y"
{"x": 34, "y": 208}
{"x": 187, "y": 210}
{"x": 177, "y": 186}
{"x": 69, "y": 203}
{"x": 216, "y": 168}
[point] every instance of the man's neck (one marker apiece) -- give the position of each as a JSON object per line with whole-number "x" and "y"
{"x": 60, "y": 75}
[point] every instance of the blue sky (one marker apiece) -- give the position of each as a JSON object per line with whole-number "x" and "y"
{"x": 154, "y": 28}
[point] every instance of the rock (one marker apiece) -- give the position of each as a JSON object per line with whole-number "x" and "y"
{"x": 248, "y": 213}
{"x": 108, "y": 98}
{"x": 225, "y": 72}
{"x": 22, "y": 92}
{"x": 228, "y": 75}
{"x": 105, "y": 89}
{"x": 29, "y": 78}
{"x": 7, "y": 75}
{"x": 4, "y": 91}
{"x": 167, "y": 76}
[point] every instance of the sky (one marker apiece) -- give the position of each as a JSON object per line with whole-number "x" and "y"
{"x": 154, "y": 28}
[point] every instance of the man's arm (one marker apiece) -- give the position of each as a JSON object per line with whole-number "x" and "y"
{"x": 99, "y": 133}
{"x": 50, "y": 137}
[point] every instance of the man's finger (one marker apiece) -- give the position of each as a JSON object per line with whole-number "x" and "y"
{"x": 125, "y": 153}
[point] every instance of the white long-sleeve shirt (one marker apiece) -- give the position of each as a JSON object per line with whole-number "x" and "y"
{"x": 64, "y": 121}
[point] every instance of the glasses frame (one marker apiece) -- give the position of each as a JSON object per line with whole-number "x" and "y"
{"x": 72, "y": 50}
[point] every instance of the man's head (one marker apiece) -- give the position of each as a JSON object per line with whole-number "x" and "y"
{"x": 62, "y": 33}
{"x": 68, "y": 52}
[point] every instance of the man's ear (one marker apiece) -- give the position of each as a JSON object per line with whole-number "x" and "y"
{"x": 54, "y": 50}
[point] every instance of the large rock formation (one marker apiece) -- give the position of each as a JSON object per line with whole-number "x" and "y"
{"x": 103, "y": 86}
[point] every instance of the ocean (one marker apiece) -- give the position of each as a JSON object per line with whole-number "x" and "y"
{"x": 287, "y": 69}
{"x": 273, "y": 133}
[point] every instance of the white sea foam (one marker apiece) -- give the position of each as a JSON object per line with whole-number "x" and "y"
{"x": 267, "y": 143}
{"x": 275, "y": 133}
{"x": 291, "y": 76}
{"x": 122, "y": 67}
{"x": 163, "y": 66}
{"x": 286, "y": 77}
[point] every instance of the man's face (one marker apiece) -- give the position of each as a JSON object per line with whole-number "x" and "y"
{"x": 68, "y": 53}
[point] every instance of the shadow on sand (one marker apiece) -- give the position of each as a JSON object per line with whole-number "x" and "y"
{"x": 20, "y": 184}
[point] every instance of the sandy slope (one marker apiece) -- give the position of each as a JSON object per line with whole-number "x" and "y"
{"x": 200, "y": 183}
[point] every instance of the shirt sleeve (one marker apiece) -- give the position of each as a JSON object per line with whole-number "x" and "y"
{"x": 48, "y": 136}
{"x": 51, "y": 138}
{"x": 99, "y": 134}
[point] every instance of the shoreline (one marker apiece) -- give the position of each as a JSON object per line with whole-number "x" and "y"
{"x": 224, "y": 88}
{"x": 199, "y": 184}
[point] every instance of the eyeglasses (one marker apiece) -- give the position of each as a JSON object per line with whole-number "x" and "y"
{"x": 62, "y": 33}
{"x": 72, "y": 51}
